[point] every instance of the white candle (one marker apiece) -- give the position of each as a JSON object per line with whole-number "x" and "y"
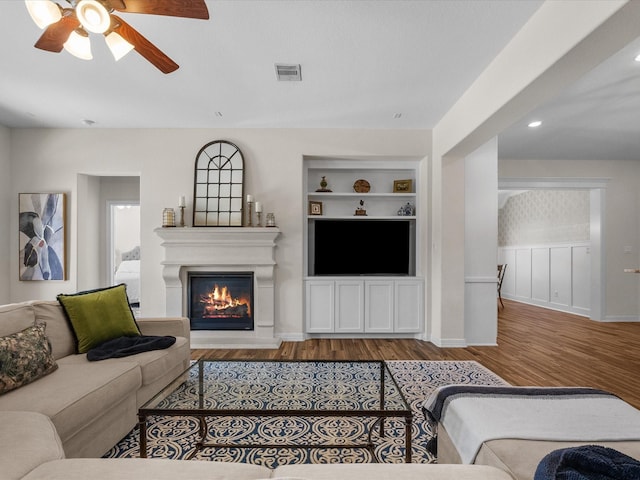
{"x": 181, "y": 201}
{"x": 249, "y": 198}
{"x": 258, "y": 207}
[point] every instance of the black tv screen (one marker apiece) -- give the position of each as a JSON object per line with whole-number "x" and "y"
{"x": 362, "y": 247}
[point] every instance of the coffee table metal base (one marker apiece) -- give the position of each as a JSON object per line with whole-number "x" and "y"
{"x": 326, "y": 388}
{"x": 202, "y": 443}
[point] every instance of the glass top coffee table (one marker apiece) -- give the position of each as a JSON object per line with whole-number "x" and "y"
{"x": 311, "y": 389}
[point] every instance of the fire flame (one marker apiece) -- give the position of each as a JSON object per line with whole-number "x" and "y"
{"x": 220, "y": 298}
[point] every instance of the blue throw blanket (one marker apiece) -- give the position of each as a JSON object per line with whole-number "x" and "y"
{"x": 125, "y": 346}
{"x": 588, "y": 462}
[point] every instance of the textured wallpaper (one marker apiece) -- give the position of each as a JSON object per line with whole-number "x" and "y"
{"x": 544, "y": 216}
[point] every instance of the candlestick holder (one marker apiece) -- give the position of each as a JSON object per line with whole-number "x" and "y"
{"x": 182, "y": 216}
{"x": 249, "y": 210}
{"x": 259, "y": 219}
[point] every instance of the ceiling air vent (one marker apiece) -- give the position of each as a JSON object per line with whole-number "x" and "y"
{"x": 288, "y": 73}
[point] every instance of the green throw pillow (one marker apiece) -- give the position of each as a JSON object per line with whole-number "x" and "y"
{"x": 25, "y": 356}
{"x": 99, "y": 315}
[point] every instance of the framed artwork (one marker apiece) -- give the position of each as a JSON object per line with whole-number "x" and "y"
{"x": 315, "y": 208}
{"x": 42, "y": 224}
{"x": 403, "y": 186}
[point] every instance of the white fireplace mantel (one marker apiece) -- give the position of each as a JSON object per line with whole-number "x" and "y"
{"x": 223, "y": 249}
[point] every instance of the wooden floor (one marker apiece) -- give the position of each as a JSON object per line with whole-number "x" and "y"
{"x": 536, "y": 346}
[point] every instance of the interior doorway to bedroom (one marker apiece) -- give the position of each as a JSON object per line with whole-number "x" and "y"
{"x": 124, "y": 254}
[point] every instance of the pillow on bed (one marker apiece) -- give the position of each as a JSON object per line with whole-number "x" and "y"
{"x": 129, "y": 266}
{"x": 99, "y": 315}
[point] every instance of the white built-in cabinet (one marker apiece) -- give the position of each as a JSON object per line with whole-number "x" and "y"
{"x": 362, "y": 304}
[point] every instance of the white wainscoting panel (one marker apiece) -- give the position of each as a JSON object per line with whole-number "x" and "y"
{"x": 552, "y": 276}
{"x": 508, "y": 257}
{"x": 581, "y": 264}
{"x": 560, "y": 275}
{"x": 523, "y": 272}
{"x": 540, "y": 275}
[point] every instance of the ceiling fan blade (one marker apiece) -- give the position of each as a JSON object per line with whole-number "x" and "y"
{"x": 57, "y": 33}
{"x": 144, "y": 47}
{"x": 172, "y": 8}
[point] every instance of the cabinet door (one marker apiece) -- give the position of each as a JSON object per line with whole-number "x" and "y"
{"x": 379, "y": 306}
{"x": 409, "y": 309}
{"x": 349, "y": 306}
{"x": 320, "y": 304}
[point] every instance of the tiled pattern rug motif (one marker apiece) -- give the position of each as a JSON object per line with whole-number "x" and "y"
{"x": 175, "y": 437}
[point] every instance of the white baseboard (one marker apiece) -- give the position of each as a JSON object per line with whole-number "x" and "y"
{"x": 292, "y": 337}
{"x": 583, "y": 312}
{"x": 621, "y": 318}
{"x": 449, "y": 342}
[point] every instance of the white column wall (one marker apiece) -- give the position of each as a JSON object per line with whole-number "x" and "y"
{"x": 481, "y": 242}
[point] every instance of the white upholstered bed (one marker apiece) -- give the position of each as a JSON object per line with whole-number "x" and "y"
{"x": 128, "y": 272}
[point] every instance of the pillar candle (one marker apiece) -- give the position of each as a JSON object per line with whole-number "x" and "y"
{"x": 258, "y": 207}
{"x": 181, "y": 201}
{"x": 249, "y": 198}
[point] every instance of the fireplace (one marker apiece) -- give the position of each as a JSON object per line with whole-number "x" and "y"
{"x": 223, "y": 251}
{"x": 220, "y": 301}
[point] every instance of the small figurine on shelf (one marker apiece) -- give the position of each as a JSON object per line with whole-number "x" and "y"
{"x": 360, "y": 211}
{"x": 323, "y": 186}
{"x": 407, "y": 210}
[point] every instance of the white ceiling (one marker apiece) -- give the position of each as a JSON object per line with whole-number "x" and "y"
{"x": 363, "y": 62}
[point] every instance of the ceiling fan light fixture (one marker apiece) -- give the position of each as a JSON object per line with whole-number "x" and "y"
{"x": 119, "y": 46}
{"x": 43, "y": 12}
{"x": 79, "y": 44}
{"x": 93, "y": 16}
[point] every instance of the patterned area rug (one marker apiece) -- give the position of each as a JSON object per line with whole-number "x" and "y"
{"x": 175, "y": 437}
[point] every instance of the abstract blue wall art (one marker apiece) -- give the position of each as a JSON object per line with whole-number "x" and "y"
{"x": 42, "y": 236}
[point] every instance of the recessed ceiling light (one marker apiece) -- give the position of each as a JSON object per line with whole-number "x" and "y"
{"x": 218, "y": 114}
{"x": 535, "y": 124}
{"x": 397, "y": 115}
{"x": 88, "y": 122}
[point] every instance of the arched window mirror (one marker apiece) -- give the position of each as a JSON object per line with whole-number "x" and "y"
{"x": 218, "y": 186}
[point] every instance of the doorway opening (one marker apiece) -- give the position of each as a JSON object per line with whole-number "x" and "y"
{"x": 124, "y": 250}
{"x": 594, "y": 248}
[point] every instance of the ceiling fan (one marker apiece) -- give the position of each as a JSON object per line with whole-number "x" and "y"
{"x": 68, "y": 27}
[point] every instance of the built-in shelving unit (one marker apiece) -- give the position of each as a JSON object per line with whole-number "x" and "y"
{"x": 381, "y": 202}
{"x": 363, "y": 303}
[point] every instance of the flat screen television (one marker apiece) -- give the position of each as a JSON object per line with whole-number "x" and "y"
{"x": 362, "y": 247}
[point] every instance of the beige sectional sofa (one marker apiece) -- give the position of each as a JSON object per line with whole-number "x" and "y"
{"x": 535, "y": 429}
{"x": 30, "y": 449}
{"x": 93, "y": 405}
{"x": 520, "y": 457}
